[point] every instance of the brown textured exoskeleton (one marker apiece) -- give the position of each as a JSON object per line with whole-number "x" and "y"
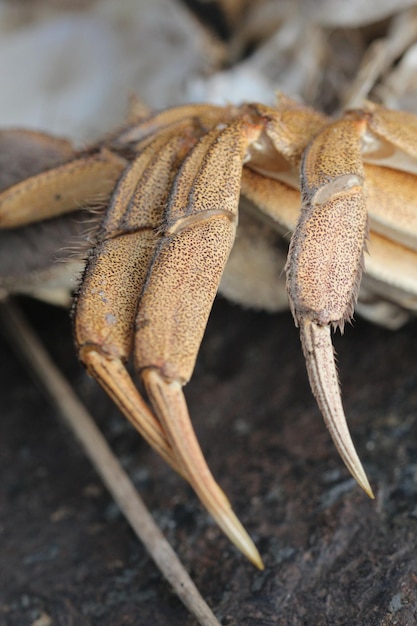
{"x": 172, "y": 183}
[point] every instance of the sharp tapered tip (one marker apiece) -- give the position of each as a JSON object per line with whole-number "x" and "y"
{"x": 368, "y": 489}
{"x": 321, "y": 368}
{"x": 169, "y": 405}
{"x": 234, "y": 530}
{"x": 358, "y": 473}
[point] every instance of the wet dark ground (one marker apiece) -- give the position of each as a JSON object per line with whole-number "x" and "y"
{"x": 332, "y": 556}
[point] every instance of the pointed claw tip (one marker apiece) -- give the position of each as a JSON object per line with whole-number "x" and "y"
{"x": 355, "y": 467}
{"x": 367, "y": 488}
{"x": 250, "y": 551}
{"x": 359, "y": 474}
{"x": 259, "y": 563}
{"x": 235, "y": 531}
{"x": 370, "y": 493}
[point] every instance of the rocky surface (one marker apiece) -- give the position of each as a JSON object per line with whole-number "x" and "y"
{"x": 332, "y": 556}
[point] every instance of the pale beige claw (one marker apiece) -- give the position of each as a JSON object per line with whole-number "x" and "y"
{"x": 115, "y": 380}
{"x": 321, "y": 368}
{"x": 169, "y": 404}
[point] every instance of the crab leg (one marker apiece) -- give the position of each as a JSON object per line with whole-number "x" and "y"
{"x": 79, "y": 183}
{"x": 200, "y": 225}
{"x": 114, "y": 278}
{"x": 167, "y": 119}
{"x": 325, "y": 264}
{"x": 390, "y": 155}
{"x": 25, "y": 153}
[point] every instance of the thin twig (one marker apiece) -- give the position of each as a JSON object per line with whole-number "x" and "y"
{"x": 106, "y": 464}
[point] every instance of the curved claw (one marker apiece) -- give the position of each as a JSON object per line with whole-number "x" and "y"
{"x": 325, "y": 263}
{"x": 164, "y": 243}
{"x": 115, "y": 380}
{"x": 169, "y": 404}
{"x": 321, "y": 368}
{"x": 172, "y": 437}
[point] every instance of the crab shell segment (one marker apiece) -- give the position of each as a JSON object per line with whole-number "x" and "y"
{"x": 151, "y": 279}
{"x": 326, "y": 254}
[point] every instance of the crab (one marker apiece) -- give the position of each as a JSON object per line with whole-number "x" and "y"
{"x": 170, "y": 184}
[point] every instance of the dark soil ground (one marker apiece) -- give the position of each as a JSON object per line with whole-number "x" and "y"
{"x": 333, "y": 557}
